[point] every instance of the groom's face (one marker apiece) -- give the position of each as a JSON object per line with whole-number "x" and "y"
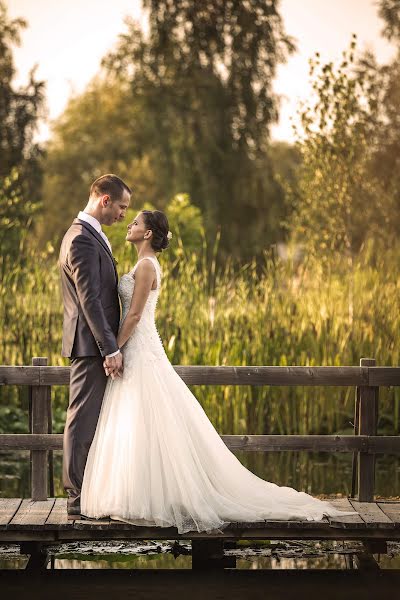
{"x": 115, "y": 210}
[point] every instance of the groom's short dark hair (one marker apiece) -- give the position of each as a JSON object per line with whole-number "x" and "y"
{"x": 109, "y": 184}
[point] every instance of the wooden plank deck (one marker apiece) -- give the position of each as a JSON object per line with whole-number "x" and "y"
{"x": 27, "y": 520}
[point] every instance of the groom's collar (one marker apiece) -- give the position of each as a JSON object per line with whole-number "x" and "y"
{"x": 98, "y": 237}
{"x": 84, "y": 216}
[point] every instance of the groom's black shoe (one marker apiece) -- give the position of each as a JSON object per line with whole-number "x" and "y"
{"x": 74, "y": 514}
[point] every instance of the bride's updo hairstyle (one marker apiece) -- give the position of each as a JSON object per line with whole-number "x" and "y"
{"x": 158, "y": 223}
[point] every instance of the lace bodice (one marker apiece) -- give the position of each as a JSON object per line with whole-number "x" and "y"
{"x": 145, "y": 337}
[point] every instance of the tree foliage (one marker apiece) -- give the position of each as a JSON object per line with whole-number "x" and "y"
{"x": 20, "y": 169}
{"x": 238, "y": 42}
{"x": 184, "y": 110}
{"x": 186, "y": 223}
{"x": 97, "y": 133}
{"x": 341, "y": 201}
{"x": 389, "y": 11}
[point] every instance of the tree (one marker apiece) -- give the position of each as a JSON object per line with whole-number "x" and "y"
{"x": 341, "y": 202}
{"x": 389, "y": 11}
{"x": 20, "y": 169}
{"x": 185, "y": 221}
{"x": 386, "y": 162}
{"x": 204, "y": 75}
{"x": 240, "y": 42}
{"x": 185, "y": 110}
{"x": 98, "y": 132}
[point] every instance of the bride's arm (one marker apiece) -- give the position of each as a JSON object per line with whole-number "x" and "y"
{"x": 144, "y": 278}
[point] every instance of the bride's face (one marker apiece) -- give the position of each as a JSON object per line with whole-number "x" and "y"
{"x": 137, "y": 230}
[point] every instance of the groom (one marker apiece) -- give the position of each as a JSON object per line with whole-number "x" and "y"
{"x": 91, "y": 318}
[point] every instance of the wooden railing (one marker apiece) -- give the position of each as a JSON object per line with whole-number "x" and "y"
{"x": 365, "y": 444}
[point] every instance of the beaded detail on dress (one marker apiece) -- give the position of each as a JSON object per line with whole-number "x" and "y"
{"x": 145, "y": 338}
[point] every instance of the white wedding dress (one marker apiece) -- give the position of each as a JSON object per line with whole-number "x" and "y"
{"x": 156, "y": 459}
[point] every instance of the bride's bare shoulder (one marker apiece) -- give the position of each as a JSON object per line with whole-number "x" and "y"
{"x": 143, "y": 268}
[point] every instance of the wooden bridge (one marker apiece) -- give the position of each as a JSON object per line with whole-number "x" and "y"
{"x": 37, "y": 521}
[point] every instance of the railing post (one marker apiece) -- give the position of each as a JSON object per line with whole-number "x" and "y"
{"x": 368, "y": 411}
{"x": 354, "y": 466}
{"x": 50, "y": 452}
{"x": 39, "y": 420}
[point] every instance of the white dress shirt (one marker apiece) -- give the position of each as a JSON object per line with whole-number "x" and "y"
{"x": 84, "y": 216}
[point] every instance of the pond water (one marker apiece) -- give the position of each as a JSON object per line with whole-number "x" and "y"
{"x": 176, "y": 554}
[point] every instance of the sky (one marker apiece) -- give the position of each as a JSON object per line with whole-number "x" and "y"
{"x": 68, "y": 38}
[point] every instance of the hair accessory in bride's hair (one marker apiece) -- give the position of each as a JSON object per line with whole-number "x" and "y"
{"x": 169, "y": 235}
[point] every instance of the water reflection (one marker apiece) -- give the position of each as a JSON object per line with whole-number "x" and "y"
{"x": 170, "y": 554}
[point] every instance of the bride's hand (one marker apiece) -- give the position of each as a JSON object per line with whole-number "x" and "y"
{"x": 113, "y": 366}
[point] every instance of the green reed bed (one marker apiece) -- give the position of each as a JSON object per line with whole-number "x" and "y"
{"x": 276, "y": 313}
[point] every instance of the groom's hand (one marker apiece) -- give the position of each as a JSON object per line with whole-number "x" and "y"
{"x": 114, "y": 365}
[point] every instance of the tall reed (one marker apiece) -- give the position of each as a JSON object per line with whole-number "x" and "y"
{"x": 276, "y": 313}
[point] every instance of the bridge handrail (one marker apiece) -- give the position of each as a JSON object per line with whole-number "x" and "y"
{"x": 365, "y": 444}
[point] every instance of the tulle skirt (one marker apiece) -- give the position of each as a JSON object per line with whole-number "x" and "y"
{"x": 157, "y": 460}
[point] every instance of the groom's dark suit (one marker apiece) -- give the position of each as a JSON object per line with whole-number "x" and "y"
{"x": 91, "y": 318}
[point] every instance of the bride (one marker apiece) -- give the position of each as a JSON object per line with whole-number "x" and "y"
{"x": 156, "y": 459}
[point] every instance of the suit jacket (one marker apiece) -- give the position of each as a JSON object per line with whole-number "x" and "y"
{"x": 89, "y": 283}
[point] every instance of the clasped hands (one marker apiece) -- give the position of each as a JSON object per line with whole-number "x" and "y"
{"x": 114, "y": 365}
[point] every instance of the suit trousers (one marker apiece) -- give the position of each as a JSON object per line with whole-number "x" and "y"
{"x": 87, "y": 386}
